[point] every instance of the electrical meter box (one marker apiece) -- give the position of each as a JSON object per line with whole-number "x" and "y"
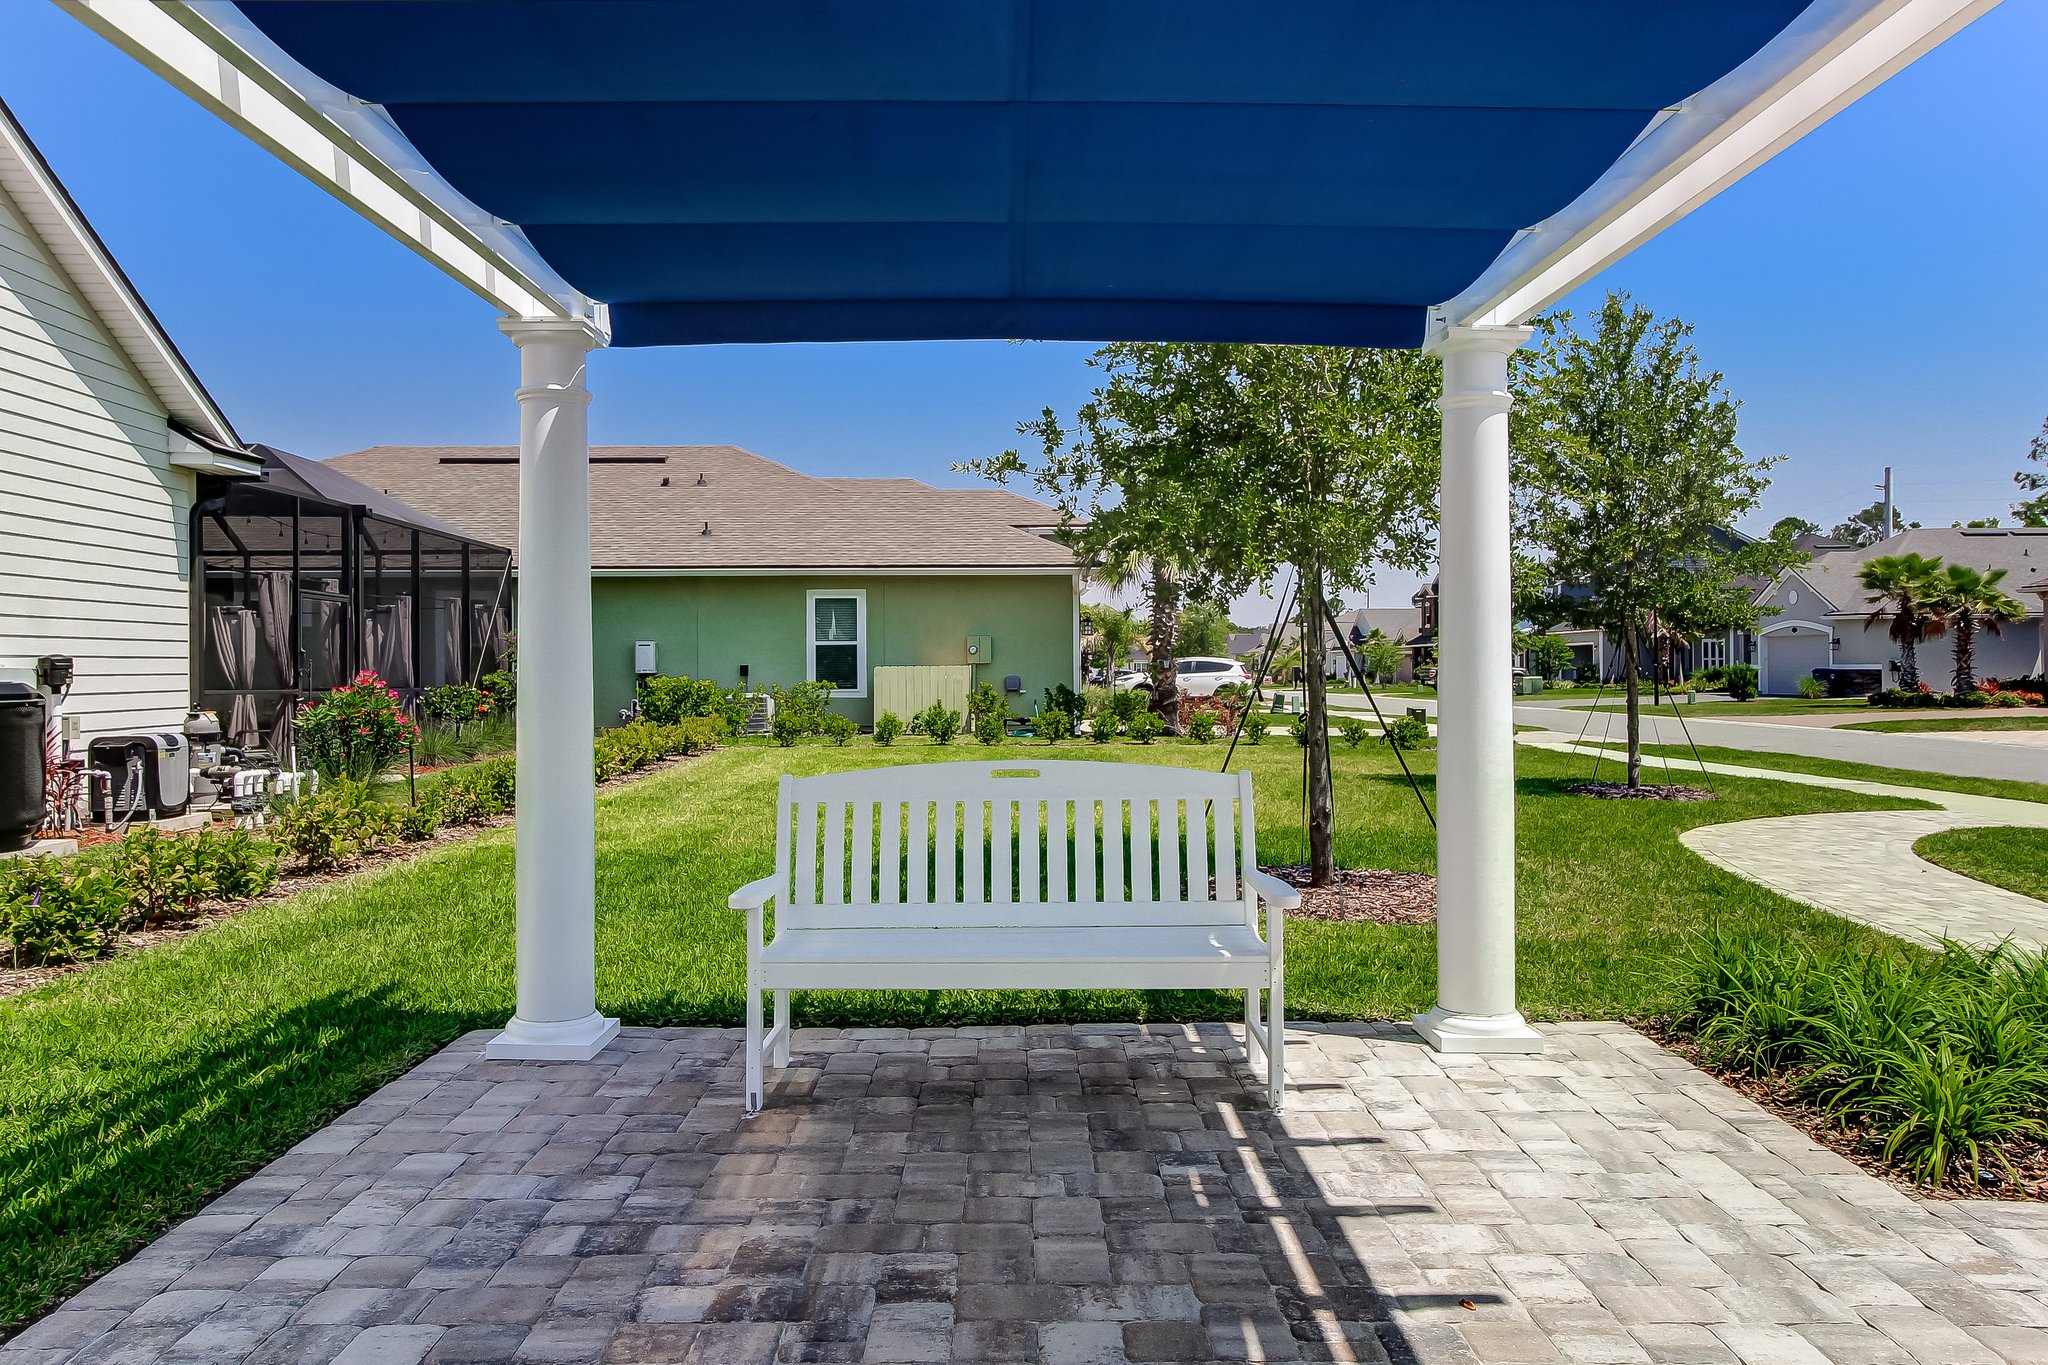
{"x": 643, "y": 658}
{"x": 981, "y": 649}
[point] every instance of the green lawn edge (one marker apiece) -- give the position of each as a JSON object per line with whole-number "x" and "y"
{"x": 1857, "y": 772}
{"x": 2014, "y": 857}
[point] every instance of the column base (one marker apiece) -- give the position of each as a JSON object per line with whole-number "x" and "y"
{"x": 575, "y": 1040}
{"x": 1476, "y": 1033}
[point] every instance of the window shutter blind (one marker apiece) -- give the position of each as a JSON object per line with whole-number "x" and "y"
{"x": 837, "y": 620}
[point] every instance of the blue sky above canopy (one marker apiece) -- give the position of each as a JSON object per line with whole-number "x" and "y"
{"x": 1053, "y": 169}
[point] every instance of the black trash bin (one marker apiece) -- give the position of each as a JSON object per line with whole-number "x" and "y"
{"x": 21, "y": 764}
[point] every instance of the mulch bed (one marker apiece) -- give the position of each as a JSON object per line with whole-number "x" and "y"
{"x": 1776, "y": 1093}
{"x": 1621, "y": 791}
{"x": 1364, "y": 895}
{"x": 15, "y": 980}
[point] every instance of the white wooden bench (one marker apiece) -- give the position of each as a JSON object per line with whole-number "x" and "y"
{"x": 987, "y": 876}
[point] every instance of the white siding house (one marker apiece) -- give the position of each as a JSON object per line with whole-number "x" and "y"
{"x": 104, "y": 432}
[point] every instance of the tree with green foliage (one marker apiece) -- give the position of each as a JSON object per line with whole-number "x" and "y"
{"x": 2033, "y": 511}
{"x": 1379, "y": 655}
{"x": 1548, "y": 655}
{"x": 1867, "y": 527}
{"x": 1971, "y": 601}
{"x": 1906, "y": 592}
{"x": 1115, "y": 630}
{"x": 1629, "y": 476}
{"x": 1204, "y": 629}
{"x": 1239, "y": 461}
{"x": 1791, "y": 528}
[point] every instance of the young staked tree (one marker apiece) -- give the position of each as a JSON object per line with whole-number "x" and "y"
{"x": 1236, "y": 461}
{"x": 1630, "y": 479}
{"x": 2033, "y": 511}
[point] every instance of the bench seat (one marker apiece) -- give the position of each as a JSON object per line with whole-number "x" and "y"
{"x": 1015, "y": 876}
{"x": 1153, "y": 957}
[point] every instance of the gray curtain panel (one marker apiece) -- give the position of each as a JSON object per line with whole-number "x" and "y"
{"x": 234, "y": 649}
{"x": 274, "y": 613}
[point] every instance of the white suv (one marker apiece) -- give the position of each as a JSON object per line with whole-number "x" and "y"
{"x": 1200, "y": 677}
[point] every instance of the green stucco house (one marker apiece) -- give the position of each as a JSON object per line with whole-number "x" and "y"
{"x": 743, "y": 570}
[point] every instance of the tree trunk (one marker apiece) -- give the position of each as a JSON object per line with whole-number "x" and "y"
{"x": 1909, "y": 664}
{"x": 1322, "y": 815}
{"x": 1165, "y": 595}
{"x": 1965, "y": 679}
{"x": 1634, "y": 686}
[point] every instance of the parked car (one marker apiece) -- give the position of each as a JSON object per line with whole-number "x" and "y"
{"x": 1426, "y": 676}
{"x": 1195, "y": 677}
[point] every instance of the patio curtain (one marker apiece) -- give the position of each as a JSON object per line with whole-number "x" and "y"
{"x": 447, "y": 641}
{"x": 274, "y": 613}
{"x": 234, "y": 650}
{"x": 487, "y": 634}
{"x": 387, "y": 643}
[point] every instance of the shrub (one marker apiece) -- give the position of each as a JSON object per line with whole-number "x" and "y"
{"x": 940, "y": 722}
{"x": 329, "y": 828}
{"x": 1146, "y": 727}
{"x": 990, "y": 728}
{"x": 1740, "y": 681}
{"x": 1068, "y": 703}
{"x": 1255, "y": 724}
{"x": 1202, "y": 728}
{"x": 2006, "y": 699}
{"x": 666, "y": 700}
{"x": 1299, "y": 728}
{"x": 241, "y": 866}
{"x": 502, "y": 689}
{"x": 1128, "y": 706}
{"x": 1973, "y": 699}
{"x": 1054, "y": 725}
{"x": 1812, "y": 688}
{"x": 357, "y": 730}
{"x": 1942, "y": 1058}
{"x": 1709, "y": 679}
{"x": 888, "y": 726}
{"x": 456, "y": 705}
{"x": 422, "y": 819}
{"x": 1406, "y": 732}
{"x": 630, "y": 748}
{"x": 1355, "y": 729}
{"x": 479, "y": 792}
{"x": 839, "y": 729}
{"x": 800, "y": 710}
{"x": 1892, "y": 697}
{"x": 51, "y": 913}
{"x": 983, "y": 701}
{"x": 163, "y": 876}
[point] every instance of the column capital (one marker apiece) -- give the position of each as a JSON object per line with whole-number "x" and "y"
{"x": 525, "y": 331}
{"x": 1451, "y": 338}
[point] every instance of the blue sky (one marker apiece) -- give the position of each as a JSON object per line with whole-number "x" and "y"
{"x": 1872, "y": 296}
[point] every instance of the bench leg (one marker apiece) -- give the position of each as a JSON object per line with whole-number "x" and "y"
{"x": 781, "y": 1057}
{"x": 755, "y": 1089}
{"x": 1253, "y": 1053}
{"x": 1276, "y": 1041}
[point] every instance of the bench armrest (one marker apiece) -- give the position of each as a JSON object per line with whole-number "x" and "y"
{"x": 1272, "y": 890}
{"x": 753, "y": 895}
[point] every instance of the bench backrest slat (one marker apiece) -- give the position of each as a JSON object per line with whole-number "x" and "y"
{"x": 1031, "y": 844}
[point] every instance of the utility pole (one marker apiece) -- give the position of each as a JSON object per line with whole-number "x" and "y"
{"x": 1886, "y": 489}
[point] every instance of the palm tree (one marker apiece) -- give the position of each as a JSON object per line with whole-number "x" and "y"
{"x": 1116, "y": 629}
{"x": 1972, "y": 599}
{"x": 1908, "y": 589}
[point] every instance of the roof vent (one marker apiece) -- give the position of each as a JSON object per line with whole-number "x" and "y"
{"x": 707, "y": 529}
{"x": 701, "y": 480}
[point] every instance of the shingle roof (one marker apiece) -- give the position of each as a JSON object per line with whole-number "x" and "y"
{"x": 2021, "y": 551}
{"x": 648, "y": 510}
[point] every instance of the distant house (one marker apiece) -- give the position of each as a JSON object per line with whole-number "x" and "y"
{"x": 748, "y": 572}
{"x": 1822, "y": 613}
{"x": 172, "y": 565}
{"x": 1597, "y": 656}
{"x": 105, "y": 436}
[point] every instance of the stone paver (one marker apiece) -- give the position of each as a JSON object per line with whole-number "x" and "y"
{"x": 1097, "y": 1193}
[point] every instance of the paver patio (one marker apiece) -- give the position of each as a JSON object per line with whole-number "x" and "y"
{"x": 1071, "y": 1194}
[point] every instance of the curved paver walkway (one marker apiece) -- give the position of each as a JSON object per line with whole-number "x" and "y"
{"x": 1861, "y": 865}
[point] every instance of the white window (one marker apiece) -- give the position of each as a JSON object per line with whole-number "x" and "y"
{"x": 838, "y": 625}
{"x": 1713, "y": 653}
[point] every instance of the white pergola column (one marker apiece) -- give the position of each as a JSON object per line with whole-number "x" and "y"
{"x": 1475, "y": 841}
{"x": 556, "y": 836}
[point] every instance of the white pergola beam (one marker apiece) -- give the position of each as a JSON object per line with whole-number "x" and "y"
{"x": 349, "y": 148}
{"x": 1831, "y": 56}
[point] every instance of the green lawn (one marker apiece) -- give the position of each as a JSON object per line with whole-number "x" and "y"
{"x": 131, "y": 1091}
{"x": 1680, "y": 756}
{"x": 2015, "y": 858}
{"x": 1716, "y": 704}
{"x": 1938, "y": 724}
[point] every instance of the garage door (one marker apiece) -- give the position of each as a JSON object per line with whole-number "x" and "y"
{"x": 1791, "y": 654}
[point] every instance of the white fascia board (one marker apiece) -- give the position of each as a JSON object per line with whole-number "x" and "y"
{"x": 188, "y": 454}
{"x": 352, "y": 149}
{"x": 1836, "y": 52}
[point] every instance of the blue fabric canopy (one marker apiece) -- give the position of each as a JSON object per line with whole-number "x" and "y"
{"x": 1319, "y": 171}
